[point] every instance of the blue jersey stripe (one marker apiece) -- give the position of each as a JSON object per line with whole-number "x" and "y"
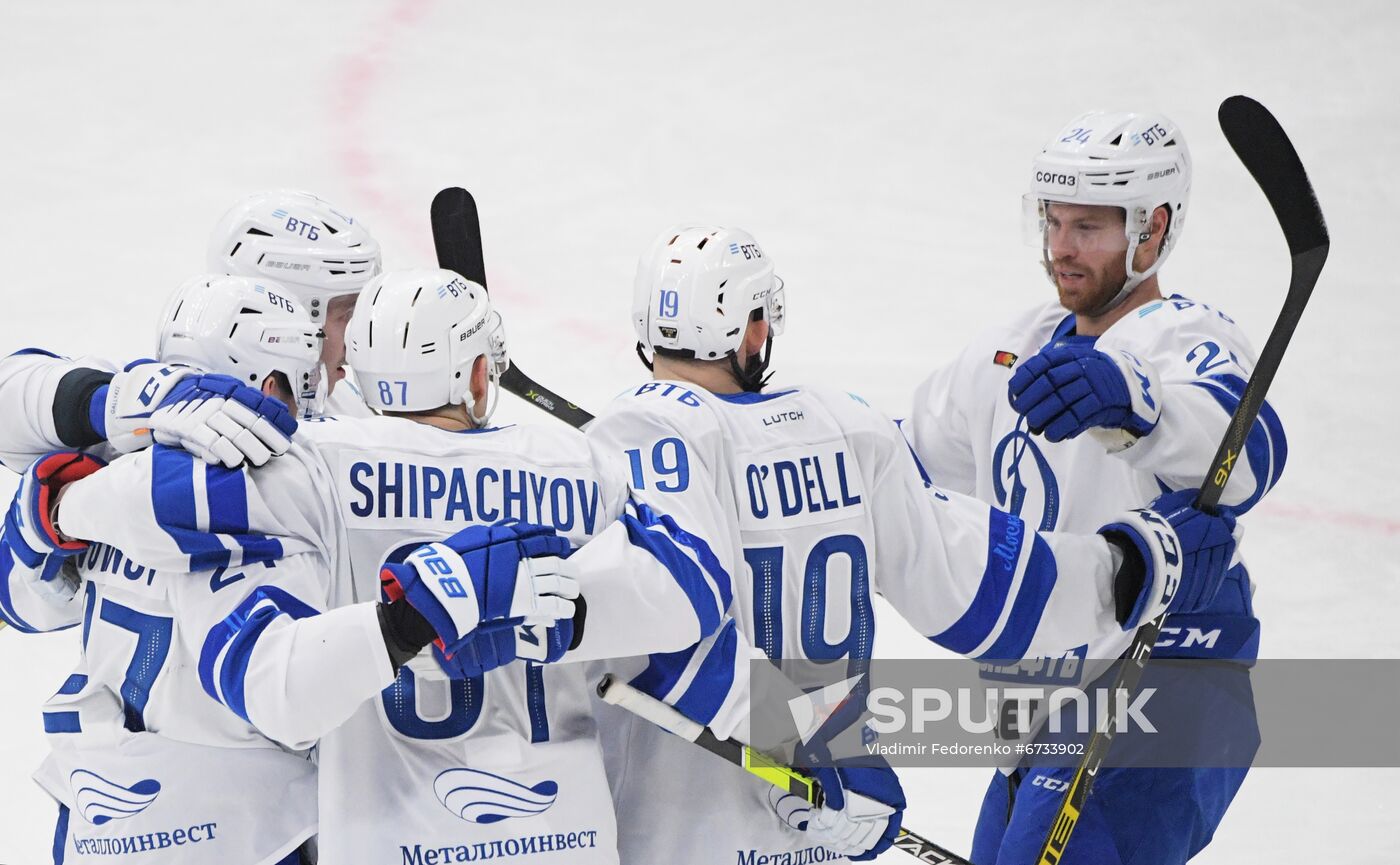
{"x": 1026, "y": 611}
{"x": 714, "y": 680}
{"x": 699, "y": 591}
{"x": 223, "y": 677}
{"x": 60, "y": 836}
{"x": 1005, "y": 536}
{"x": 7, "y": 604}
{"x": 39, "y": 351}
{"x": 702, "y": 551}
{"x": 663, "y": 672}
{"x": 62, "y": 722}
{"x": 173, "y": 499}
{"x": 1265, "y": 447}
{"x": 227, "y": 491}
{"x": 534, "y": 694}
{"x": 73, "y": 684}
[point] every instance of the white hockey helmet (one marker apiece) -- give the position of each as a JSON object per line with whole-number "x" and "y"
{"x": 696, "y": 289}
{"x": 414, "y": 336}
{"x": 1137, "y": 161}
{"x": 248, "y": 329}
{"x": 314, "y": 250}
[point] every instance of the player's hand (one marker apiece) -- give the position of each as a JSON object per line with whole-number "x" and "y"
{"x": 214, "y": 417}
{"x": 1067, "y": 389}
{"x": 1175, "y": 557}
{"x": 477, "y": 588}
{"x": 862, "y": 813}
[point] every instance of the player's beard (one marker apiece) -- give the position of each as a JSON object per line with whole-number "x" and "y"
{"x": 1096, "y": 286}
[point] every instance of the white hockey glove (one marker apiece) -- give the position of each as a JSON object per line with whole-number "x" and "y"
{"x": 862, "y": 813}
{"x": 213, "y": 417}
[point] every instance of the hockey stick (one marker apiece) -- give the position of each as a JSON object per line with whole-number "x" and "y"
{"x": 648, "y": 708}
{"x": 1265, "y": 150}
{"x": 457, "y": 238}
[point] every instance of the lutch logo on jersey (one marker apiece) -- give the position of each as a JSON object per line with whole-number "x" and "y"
{"x": 481, "y": 797}
{"x": 100, "y": 801}
{"x": 1013, "y": 460}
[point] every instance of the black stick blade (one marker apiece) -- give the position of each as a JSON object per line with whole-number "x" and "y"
{"x": 1265, "y": 150}
{"x": 457, "y": 234}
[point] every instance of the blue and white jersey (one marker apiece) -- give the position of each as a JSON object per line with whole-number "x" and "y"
{"x": 415, "y": 763}
{"x": 969, "y": 439}
{"x": 830, "y": 508}
{"x": 136, "y": 741}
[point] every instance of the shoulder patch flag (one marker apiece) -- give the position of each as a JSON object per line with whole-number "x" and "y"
{"x": 1004, "y": 358}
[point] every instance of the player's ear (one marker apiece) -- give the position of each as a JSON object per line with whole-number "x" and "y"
{"x": 276, "y": 385}
{"x": 755, "y": 335}
{"x": 479, "y": 380}
{"x": 1160, "y": 218}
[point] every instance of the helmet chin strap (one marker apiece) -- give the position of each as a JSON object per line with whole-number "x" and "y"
{"x": 751, "y": 375}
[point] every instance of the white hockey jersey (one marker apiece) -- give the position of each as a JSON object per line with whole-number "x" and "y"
{"x": 969, "y": 439}
{"x": 414, "y": 767}
{"x": 135, "y": 741}
{"x": 830, "y": 508}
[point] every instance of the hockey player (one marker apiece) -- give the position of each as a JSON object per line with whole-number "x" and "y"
{"x": 135, "y": 743}
{"x": 420, "y": 755}
{"x": 831, "y": 508}
{"x": 324, "y": 257}
{"x": 1116, "y": 392}
{"x": 320, "y": 256}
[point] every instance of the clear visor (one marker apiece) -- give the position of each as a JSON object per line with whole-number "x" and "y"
{"x": 1066, "y": 230}
{"x": 496, "y": 344}
{"x": 777, "y": 307}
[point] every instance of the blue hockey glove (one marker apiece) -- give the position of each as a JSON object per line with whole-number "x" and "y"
{"x": 491, "y": 594}
{"x": 862, "y": 813}
{"x": 29, "y": 525}
{"x": 214, "y": 417}
{"x": 1068, "y": 389}
{"x": 34, "y": 549}
{"x": 1175, "y": 557}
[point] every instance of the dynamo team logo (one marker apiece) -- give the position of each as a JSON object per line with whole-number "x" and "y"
{"x": 1023, "y": 482}
{"x": 481, "y": 797}
{"x": 100, "y": 801}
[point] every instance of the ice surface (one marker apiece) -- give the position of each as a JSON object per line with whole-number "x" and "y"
{"x": 878, "y": 153}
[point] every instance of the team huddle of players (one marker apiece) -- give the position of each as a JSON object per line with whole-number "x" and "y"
{"x": 335, "y": 615}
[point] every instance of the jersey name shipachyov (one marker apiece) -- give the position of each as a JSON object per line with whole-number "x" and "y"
{"x": 438, "y": 491}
